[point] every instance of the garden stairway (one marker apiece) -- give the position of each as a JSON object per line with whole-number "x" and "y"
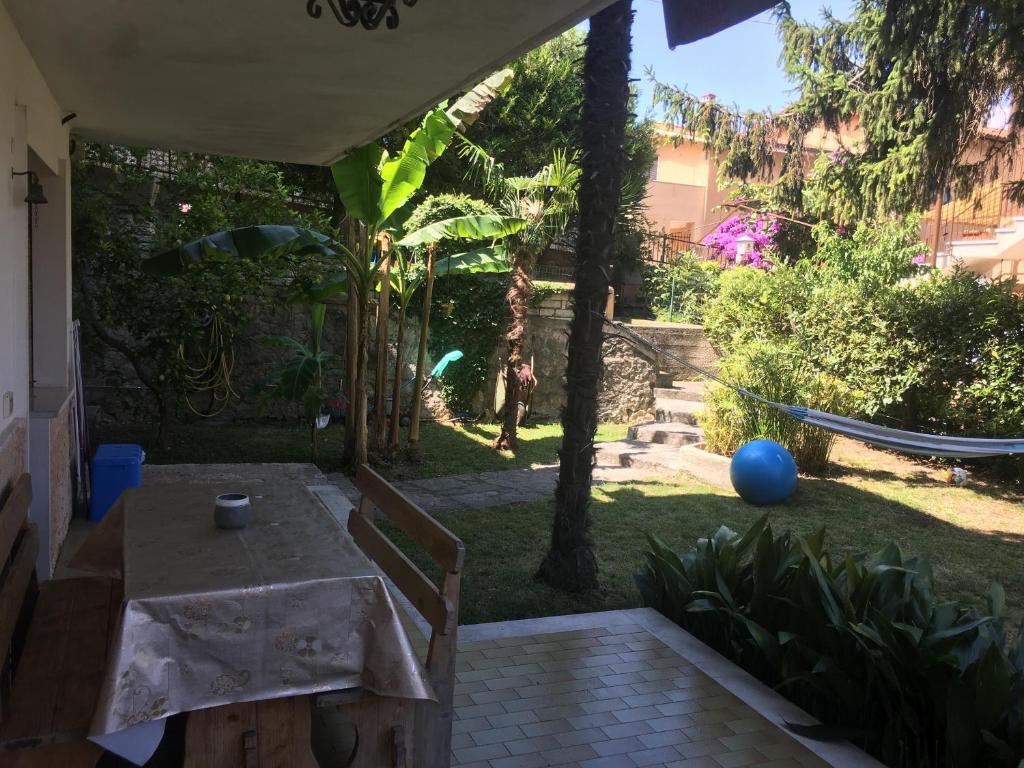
{"x": 654, "y": 446}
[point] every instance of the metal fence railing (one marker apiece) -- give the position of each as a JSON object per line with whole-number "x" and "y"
{"x": 666, "y": 248}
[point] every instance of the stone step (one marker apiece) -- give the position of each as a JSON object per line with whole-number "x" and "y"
{"x": 666, "y": 433}
{"x": 692, "y": 391}
{"x": 636, "y": 454}
{"x": 667, "y": 378}
{"x": 678, "y": 412}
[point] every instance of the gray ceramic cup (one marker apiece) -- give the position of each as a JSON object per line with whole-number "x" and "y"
{"x": 231, "y": 511}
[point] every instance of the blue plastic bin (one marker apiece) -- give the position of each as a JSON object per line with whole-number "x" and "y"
{"x": 114, "y": 468}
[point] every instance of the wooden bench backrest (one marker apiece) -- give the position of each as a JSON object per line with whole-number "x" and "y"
{"x": 19, "y": 545}
{"x": 439, "y": 605}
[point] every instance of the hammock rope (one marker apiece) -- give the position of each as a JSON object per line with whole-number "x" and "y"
{"x": 915, "y": 443}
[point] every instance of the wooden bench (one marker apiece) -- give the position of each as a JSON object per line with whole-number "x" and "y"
{"x": 437, "y": 604}
{"x": 54, "y": 639}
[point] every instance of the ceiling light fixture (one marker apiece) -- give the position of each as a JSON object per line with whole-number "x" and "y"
{"x": 368, "y": 13}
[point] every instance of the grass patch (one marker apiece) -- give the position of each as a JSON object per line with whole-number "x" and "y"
{"x": 447, "y": 449}
{"x": 972, "y": 535}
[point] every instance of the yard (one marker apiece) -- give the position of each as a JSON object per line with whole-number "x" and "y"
{"x": 972, "y": 535}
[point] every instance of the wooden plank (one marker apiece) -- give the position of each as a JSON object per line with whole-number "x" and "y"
{"x": 216, "y": 736}
{"x": 82, "y": 754}
{"x": 382, "y": 727}
{"x": 15, "y": 587}
{"x": 270, "y": 734}
{"x": 407, "y": 577}
{"x": 441, "y": 544}
{"x": 432, "y": 737}
{"x": 13, "y": 515}
{"x": 59, "y": 676}
{"x": 282, "y": 734}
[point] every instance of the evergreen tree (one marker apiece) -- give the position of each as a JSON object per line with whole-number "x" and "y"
{"x": 915, "y": 80}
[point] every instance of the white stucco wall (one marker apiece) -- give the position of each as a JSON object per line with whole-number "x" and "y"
{"x": 29, "y": 120}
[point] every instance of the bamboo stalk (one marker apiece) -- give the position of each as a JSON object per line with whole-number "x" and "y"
{"x": 421, "y": 355}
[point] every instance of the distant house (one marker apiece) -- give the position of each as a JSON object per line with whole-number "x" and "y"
{"x": 984, "y": 232}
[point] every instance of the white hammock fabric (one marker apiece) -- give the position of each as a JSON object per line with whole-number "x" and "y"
{"x": 900, "y": 440}
{"x": 903, "y": 441}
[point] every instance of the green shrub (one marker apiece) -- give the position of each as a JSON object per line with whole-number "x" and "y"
{"x": 782, "y": 375}
{"x": 680, "y": 291}
{"x": 755, "y": 305}
{"x": 861, "y": 642}
{"x": 936, "y": 353}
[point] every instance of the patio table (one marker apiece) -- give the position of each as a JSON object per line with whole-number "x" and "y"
{"x": 286, "y": 606}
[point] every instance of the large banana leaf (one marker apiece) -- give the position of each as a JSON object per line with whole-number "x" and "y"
{"x": 491, "y": 259}
{"x": 258, "y": 242}
{"x": 357, "y": 177}
{"x": 468, "y": 107}
{"x": 403, "y": 175}
{"x": 320, "y": 292}
{"x": 491, "y": 226}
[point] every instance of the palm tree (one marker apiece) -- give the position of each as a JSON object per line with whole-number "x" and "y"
{"x": 570, "y": 563}
{"x": 547, "y": 201}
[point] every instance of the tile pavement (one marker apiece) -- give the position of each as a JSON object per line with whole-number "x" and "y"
{"x": 487, "y": 489}
{"x": 604, "y": 697}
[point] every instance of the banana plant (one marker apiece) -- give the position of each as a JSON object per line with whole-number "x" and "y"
{"x": 374, "y": 187}
{"x": 410, "y": 274}
{"x": 301, "y": 379}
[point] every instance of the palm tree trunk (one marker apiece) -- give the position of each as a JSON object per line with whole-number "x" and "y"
{"x": 518, "y": 297}
{"x": 570, "y": 564}
{"x": 421, "y": 359}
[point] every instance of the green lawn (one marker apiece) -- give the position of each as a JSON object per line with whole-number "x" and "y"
{"x": 972, "y": 535}
{"x": 447, "y": 449}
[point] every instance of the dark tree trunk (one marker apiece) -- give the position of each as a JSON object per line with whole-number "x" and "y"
{"x": 351, "y": 355}
{"x": 570, "y": 564}
{"x": 396, "y": 391}
{"x": 518, "y": 302}
{"x": 380, "y": 379}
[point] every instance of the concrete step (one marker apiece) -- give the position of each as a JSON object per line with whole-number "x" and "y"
{"x": 692, "y": 391}
{"x": 636, "y": 454}
{"x": 666, "y": 433}
{"x": 671, "y": 376}
{"x": 678, "y": 412}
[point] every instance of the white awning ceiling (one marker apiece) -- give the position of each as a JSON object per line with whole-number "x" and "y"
{"x": 262, "y": 78}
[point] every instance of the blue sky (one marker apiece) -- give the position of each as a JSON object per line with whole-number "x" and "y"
{"x": 739, "y": 65}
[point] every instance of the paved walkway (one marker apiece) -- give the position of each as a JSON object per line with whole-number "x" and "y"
{"x": 487, "y": 489}
{"x": 619, "y": 689}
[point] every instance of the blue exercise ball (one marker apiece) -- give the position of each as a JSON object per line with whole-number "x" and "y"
{"x": 763, "y": 472}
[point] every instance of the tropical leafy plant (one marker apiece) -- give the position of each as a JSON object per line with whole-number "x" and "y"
{"x": 861, "y": 641}
{"x": 546, "y": 201}
{"x": 374, "y": 188}
{"x": 301, "y": 379}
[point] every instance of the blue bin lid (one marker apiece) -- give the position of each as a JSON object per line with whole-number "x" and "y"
{"x": 120, "y": 451}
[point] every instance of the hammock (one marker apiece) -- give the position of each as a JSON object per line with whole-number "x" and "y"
{"x": 883, "y": 437}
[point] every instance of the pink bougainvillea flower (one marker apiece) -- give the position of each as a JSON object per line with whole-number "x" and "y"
{"x": 184, "y": 207}
{"x": 919, "y": 259}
